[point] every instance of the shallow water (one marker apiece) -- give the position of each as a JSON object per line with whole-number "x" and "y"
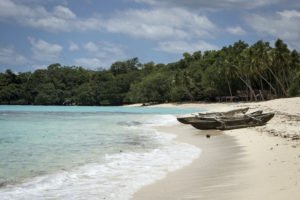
{"x": 53, "y": 152}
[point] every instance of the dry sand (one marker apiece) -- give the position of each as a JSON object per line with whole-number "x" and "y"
{"x": 252, "y": 163}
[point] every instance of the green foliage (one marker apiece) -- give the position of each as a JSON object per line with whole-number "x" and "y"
{"x": 84, "y": 94}
{"x": 47, "y": 95}
{"x": 153, "y": 88}
{"x": 122, "y": 67}
{"x": 294, "y": 89}
{"x": 235, "y": 70}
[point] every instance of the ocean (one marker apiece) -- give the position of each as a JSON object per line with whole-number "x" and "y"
{"x": 86, "y": 152}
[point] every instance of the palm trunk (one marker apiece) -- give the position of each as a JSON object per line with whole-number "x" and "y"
{"x": 229, "y": 87}
{"x": 248, "y": 86}
{"x": 278, "y": 81}
{"x": 273, "y": 89}
{"x": 189, "y": 94}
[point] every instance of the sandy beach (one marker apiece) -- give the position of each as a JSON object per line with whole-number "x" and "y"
{"x": 250, "y": 163}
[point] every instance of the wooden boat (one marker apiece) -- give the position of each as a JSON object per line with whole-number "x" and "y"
{"x": 227, "y": 123}
{"x": 185, "y": 119}
{"x": 236, "y": 115}
{"x": 216, "y": 119}
{"x": 227, "y": 114}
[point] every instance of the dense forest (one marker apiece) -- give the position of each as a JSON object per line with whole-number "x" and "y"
{"x": 237, "y": 72}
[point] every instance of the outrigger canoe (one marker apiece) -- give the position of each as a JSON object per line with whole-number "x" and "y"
{"x": 185, "y": 119}
{"x": 227, "y": 123}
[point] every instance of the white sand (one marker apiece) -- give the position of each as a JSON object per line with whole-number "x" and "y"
{"x": 248, "y": 163}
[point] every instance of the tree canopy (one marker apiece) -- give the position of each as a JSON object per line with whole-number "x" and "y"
{"x": 238, "y": 71}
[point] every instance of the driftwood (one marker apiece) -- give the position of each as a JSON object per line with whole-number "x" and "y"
{"x": 150, "y": 103}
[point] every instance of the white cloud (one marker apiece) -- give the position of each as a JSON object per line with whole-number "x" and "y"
{"x": 73, "y": 47}
{"x": 90, "y": 46}
{"x": 49, "y": 23}
{"x": 183, "y": 46}
{"x": 154, "y": 23}
{"x": 44, "y": 51}
{"x": 160, "y": 23}
{"x": 63, "y": 12}
{"x": 9, "y": 9}
{"x": 104, "y": 50}
{"x": 112, "y": 49}
{"x": 88, "y": 62}
{"x": 236, "y": 30}
{"x": 93, "y": 23}
{"x": 284, "y": 25}
{"x": 289, "y": 14}
{"x": 101, "y": 54}
{"x": 39, "y": 66}
{"x": 210, "y": 4}
{"x": 61, "y": 18}
{"x": 9, "y": 56}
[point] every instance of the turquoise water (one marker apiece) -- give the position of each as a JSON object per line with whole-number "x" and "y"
{"x": 55, "y": 152}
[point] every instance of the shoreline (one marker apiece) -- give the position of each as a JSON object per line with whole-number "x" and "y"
{"x": 249, "y": 163}
{"x": 210, "y": 171}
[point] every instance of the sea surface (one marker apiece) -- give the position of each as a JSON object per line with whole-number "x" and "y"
{"x": 79, "y": 152}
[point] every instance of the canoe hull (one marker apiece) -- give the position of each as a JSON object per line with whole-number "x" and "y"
{"x": 205, "y": 124}
{"x": 232, "y": 123}
{"x": 186, "y": 119}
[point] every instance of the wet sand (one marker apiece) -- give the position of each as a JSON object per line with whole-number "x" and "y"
{"x": 215, "y": 170}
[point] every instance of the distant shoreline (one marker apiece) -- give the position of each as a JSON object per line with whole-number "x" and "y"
{"x": 166, "y": 104}
{"x": 183, "y": 103}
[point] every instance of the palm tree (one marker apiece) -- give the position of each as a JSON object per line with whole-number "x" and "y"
{"x": 238, "y": 65}
{"x": 225, "y": 69}
{"x": 259, "y": 62}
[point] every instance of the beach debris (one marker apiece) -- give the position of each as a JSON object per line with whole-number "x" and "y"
{"x": 150, "y": 103}
{"x": 207, "y": 136}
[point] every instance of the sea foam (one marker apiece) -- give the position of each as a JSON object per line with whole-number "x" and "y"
{"x": 117, "y": 178}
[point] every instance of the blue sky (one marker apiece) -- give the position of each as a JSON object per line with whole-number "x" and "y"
{"x": 93, "y": 34}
